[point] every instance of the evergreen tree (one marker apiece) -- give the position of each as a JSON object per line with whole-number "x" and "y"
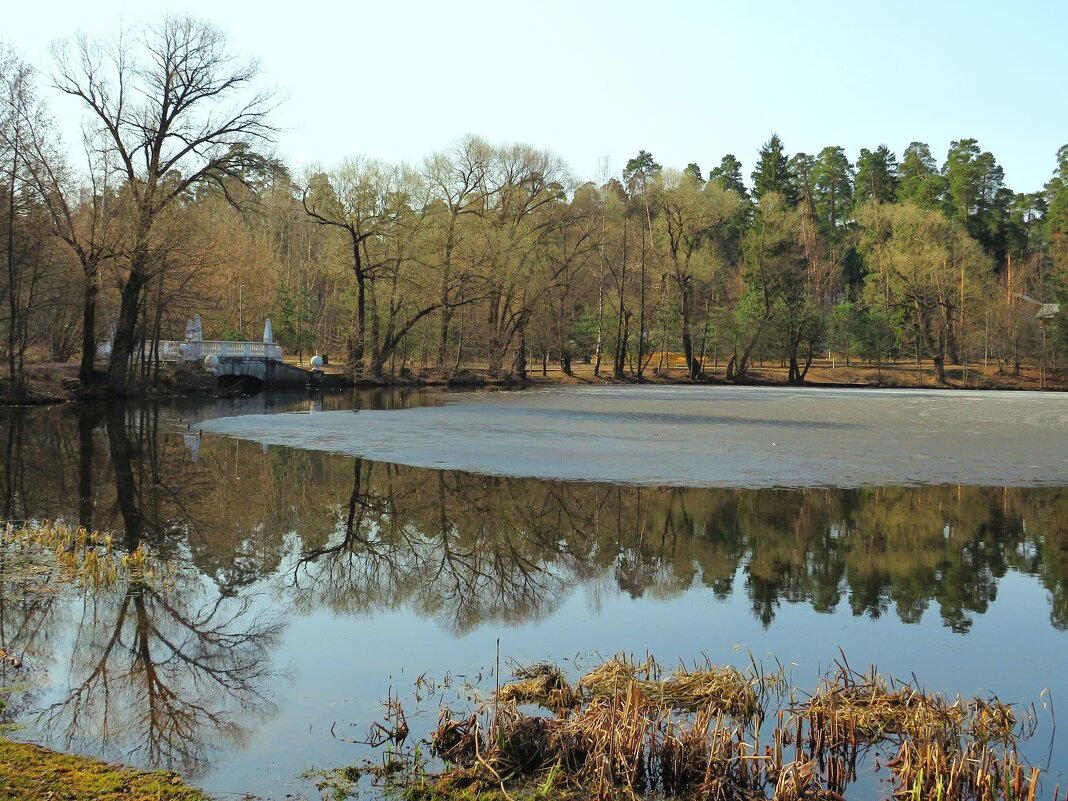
{"x": 919, "y": 181}
{"x": 1056, "y": 200}
{"x": 772, "y": 173}
{"x": 729, "y": 176}
{"x": 975, "y": 195}
{"x": 802, "y": 173}
{"x": 973, "y": 179}
{"x": 876, "y": 177}
{"x": 640, "y": 170}
{"x": 832, "y": 184}
{"x": 1055, "y": 224}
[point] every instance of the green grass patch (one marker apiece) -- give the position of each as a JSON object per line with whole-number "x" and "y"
{"x": 29, "y": 771}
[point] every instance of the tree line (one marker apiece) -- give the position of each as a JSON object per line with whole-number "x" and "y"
{"x": 488, "y": 255}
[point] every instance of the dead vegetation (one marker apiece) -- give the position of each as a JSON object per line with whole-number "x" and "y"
{"x": 74, "y": 555}
{"x": 628, "y": 730}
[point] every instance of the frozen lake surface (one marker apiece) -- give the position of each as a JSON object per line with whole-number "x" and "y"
{"x": 704, "y": 436}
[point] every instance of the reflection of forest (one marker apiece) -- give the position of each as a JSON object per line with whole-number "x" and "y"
{"x": 466, "y": 548}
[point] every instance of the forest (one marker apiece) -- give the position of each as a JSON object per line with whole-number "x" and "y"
{"x": 483, "y": 256}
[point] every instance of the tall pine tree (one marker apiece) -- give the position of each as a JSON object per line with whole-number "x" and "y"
{"x": 772, "y": 173}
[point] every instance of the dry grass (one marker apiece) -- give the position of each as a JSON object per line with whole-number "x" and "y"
{"x": 870, "y": 708}
{"x": 725, "y": 690}
{"x": 542, "y": 685}
{"x": 86, "y": 558}
{"x": 625, "y": 730}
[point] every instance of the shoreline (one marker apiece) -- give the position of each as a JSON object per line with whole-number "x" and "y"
{"x": 31, "y": 771}
{"x": 52, "y": 384}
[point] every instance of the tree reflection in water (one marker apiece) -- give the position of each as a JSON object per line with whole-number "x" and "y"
{"x": 466, "y": 548}
{"x": 438, "y": 545}
{"x": 176, "y": 672}
{"x": 160, "y": 672}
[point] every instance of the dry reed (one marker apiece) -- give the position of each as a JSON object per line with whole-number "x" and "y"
{"x": 625, "y": 731}
{"x": 84, "y": 557}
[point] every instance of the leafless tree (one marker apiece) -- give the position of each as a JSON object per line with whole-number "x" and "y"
{"x": 177, "y": 110}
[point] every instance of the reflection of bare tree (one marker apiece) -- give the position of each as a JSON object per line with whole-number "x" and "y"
{"x": 86, "y": 451}
{"x": 455, "y": 548}
{"x": 163, "y": 677}
{"x": 166, "y": 673}
{"x": 27, "y": 621}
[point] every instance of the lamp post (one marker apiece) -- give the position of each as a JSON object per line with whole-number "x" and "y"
{"x": 241, "y": 312}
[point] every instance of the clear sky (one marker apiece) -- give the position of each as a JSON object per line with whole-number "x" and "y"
{"x": 688, "y": 81}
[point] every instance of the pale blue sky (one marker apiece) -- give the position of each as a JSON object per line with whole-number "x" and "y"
{"x": 688, "y": 81}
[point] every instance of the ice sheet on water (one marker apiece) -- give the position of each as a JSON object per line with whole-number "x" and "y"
{"x": 705, "y": 436}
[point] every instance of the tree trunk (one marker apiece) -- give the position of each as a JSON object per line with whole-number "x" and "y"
{"x": 693, "y": 365}
{"x": 87, "y": 370}
{"x": 940, "y": 368}
{"x": 599, "y": 347}
{"x": 445, "y": 321}
{"x": 621, "y": 347}
{"x": 357, "y": 349}
{"x": 374, "y": 337}
{"x": 521, "y": 353}
{"x": 12, "y": 282}
{"x": 126, "y": 330}
{"x": 641, "y": 310}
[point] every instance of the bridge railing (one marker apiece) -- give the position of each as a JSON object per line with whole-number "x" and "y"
{"x": 173, "y": 351}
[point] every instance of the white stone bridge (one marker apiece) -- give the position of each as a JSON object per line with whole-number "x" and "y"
{"x": 235, "y": 363}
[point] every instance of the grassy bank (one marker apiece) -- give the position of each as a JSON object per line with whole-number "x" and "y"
{"x": 29, "y": 771}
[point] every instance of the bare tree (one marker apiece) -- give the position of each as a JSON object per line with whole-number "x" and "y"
{"x": 84, "y": 217}
{"x": 27, "y": 253}
{"x": 353, "y": 198}
{"x": 457, "y": 179}
{"x": 176, "y": 110}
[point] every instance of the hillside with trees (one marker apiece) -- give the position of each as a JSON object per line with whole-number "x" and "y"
{"x": 489, "y": 256}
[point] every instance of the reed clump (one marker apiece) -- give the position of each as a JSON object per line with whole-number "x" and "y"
{"x": 625, "y": 730}
{"x": 969, "y": 770}
{"x": 542, "y": 685}
{"x": 723, "y": 688}
{"x": 87, "y": 558}
{"x": 871, "y": 707}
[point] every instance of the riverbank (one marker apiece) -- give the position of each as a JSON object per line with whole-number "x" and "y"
{"x": 29, "y": 771}
{"x": 828, "y": 373}
{"x": 52, "y": 383}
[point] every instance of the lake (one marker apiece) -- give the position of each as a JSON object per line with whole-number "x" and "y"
{"x": 323, "y": 559}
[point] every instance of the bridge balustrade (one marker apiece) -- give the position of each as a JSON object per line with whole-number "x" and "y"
{"x": 173, "y": 351}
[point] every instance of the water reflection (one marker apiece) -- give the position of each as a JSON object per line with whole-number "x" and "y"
{"x": 163, "y": 672}
{"x": 172, "y": 674}
{"x": 468, "y": 548}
